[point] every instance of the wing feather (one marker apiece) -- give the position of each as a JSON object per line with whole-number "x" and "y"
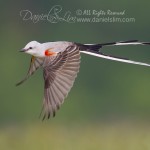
{"x": 59, "y": 76}
{"x": 35, "y": 63}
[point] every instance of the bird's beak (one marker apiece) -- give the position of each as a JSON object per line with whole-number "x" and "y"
{"x": 23, "y": 50}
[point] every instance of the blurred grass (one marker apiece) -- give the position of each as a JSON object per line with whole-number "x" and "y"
{"x": 106, "y": 136}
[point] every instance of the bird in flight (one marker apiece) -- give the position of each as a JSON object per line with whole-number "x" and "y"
{"x": 60, "y": 62}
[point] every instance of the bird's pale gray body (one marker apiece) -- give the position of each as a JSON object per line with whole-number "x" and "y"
{"x": 60, "y": 62}
{"x": 58, "y": 46}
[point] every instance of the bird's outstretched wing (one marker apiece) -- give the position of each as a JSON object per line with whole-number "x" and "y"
{"x": 59, "y": 76}
{"x": 34, "y": 65}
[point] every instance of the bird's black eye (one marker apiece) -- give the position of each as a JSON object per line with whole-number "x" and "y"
{"x": 30, "y": 47}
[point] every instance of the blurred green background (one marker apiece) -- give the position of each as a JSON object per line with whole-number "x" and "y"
{"x": 109, "y": 104}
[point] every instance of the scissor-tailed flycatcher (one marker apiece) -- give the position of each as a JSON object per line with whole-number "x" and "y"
{"x": 60, "y": 62}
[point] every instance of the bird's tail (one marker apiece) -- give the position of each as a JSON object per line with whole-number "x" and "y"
{"x": 94, "y": 49}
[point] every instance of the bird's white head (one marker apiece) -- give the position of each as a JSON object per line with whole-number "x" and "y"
{"x": 33, "y": 48}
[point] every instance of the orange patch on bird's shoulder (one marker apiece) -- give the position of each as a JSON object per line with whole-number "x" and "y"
{"x": 48, "y": 52}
